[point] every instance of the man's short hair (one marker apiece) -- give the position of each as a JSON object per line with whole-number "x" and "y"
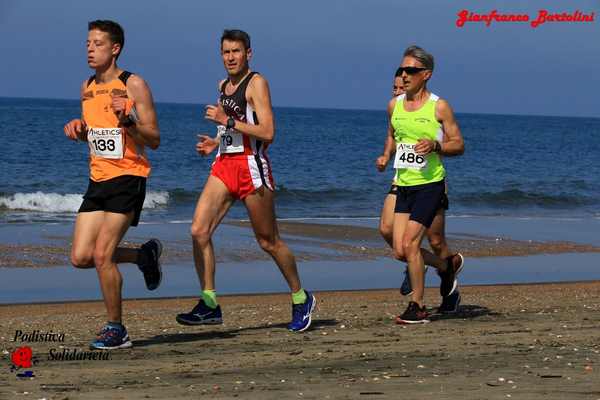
{"x": 114, "y": 30}
{"x": 236, "y": 35}
{"x": 420, "y": 55}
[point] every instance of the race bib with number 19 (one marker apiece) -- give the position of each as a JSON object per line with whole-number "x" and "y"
{"x": 106, "y": 142}
{"x": 406, "y": 157}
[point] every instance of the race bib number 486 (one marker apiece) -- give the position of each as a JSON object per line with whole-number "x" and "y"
{"x": 407, "y": 158}
{"x": 106, "y": 142}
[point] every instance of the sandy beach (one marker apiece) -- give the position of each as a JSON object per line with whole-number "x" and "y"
{"x": 519, "y": 341}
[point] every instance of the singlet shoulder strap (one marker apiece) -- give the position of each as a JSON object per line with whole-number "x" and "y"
{"x": 246, "y": 81}
{"x": 124, "y": 76}
{"x": 222, "y": 88}
{"x": 91, "y": 79}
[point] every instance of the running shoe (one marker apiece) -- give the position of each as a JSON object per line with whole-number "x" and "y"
{"x": 413, "y": 315}
{"x": 201, "y": 314}
{"x": 111, "y": 337}
{"x": 151, "y": 267}
{"x": 302, "y": 314}
{"x": 406, "y": 287}
{"x": 454, "y": 266}
{"x": 450, "y": 303}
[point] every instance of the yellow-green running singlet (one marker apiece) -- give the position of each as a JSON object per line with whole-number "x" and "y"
{"x": 409, "y": 127}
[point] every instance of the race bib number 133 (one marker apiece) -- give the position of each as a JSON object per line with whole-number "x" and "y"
{"x": 106, "y": 142}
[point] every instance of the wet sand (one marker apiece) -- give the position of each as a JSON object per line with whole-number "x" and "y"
{"x": 512, "y": 341}
{"x": 309, "y": 241}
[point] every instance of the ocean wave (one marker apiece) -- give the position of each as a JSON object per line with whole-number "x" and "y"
{"x": 64, "y": 203}
{"x": 521, "y": 198}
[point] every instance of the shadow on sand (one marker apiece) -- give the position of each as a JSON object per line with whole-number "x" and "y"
{"x": 467, "y": 311}
{"x": 229, "y": 334}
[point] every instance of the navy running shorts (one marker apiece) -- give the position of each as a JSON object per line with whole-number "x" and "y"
{"x": 421, "y": 201}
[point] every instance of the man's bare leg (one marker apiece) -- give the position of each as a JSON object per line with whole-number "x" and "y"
{"x": 386, "y": 221}
{"x": 112, "y": 231}
{"x": 262, "y": 216}
{"x": 436, "y": 234}
{"x": 212, "y": 206}
{"x": 85, "y": 234}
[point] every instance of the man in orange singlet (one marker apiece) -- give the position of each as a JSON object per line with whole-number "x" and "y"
{"x": 244, "y": 119}
{"x": 118, "y": 121}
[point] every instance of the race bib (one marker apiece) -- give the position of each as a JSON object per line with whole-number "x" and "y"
{"x": 106, "y": 142}
{"x": 407, "y": 158}
{"x": 232, "y": 141}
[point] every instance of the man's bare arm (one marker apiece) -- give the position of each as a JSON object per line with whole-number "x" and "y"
{"x": 389, "y": 148}
{"x": 145, "y": 131}
{"x": 453, "y": 143}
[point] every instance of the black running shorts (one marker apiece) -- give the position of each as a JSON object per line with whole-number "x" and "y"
{"x": 421, "y": 201}
{"x": 122, "y": 195}
{"x": 444, "y": 204}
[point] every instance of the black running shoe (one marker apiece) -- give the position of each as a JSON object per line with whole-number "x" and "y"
{"x": 151, "y": 265}
{"x": 454, "y": 266}
{"x": 413, "y": 315}
{"x": 450, "y": 303}
{"x": 201, "y": 314}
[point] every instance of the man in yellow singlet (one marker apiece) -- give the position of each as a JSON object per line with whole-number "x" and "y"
{"x": 435, "y": 233}
{"x": 423, "y": 129}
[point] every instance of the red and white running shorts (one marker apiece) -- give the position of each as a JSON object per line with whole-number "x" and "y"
{"x": 243, "y": 174}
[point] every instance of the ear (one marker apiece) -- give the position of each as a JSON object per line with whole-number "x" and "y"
{"x": 249, "y": 54}
{"x": 116, "y": 49}
{"x": 427, "y": 75}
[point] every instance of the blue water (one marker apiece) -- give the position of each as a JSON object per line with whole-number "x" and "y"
{"x": 323, "y": 163}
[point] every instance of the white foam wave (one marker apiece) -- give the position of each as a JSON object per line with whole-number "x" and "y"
{"x": 65, "y": 203}
{"x": 156, "y": 199}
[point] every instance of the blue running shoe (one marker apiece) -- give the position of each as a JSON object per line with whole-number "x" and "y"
{"x": 111, "y": 337}
{"x": 201, "y": 314}
{"x": 406, "y": 288}
{"x": 302, "y": 314}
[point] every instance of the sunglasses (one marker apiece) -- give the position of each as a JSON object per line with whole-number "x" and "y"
{"x": 411, "y": 70}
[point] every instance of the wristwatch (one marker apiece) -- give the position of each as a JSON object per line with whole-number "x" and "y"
{"x": 230, "y": 123}
{"x": 437, "y": 147}
{"x": 127, "y": 122}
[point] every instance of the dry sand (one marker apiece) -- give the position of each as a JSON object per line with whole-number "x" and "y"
{"x": 519, "y": 342}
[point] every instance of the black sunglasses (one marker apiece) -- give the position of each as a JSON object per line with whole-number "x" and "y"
{"x": 411, "y": 70}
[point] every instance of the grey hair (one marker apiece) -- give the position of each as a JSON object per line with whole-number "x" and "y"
{"x": 420, "y": 55}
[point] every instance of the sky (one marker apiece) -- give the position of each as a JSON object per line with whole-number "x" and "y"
{"x": 326, "y": 54}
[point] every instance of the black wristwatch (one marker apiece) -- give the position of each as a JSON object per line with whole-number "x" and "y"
{"x": 127, "y": 122}
{"x": 230, "y": 123}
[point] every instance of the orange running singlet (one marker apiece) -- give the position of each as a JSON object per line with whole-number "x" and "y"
{"x": 113, "y": 152}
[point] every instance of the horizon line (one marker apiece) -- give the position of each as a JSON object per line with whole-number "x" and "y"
{"x": 325, "y": 108}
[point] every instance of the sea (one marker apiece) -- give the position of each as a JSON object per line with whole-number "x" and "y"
{"x": 521, "y": 177}
{"x": 323, "y": 162}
